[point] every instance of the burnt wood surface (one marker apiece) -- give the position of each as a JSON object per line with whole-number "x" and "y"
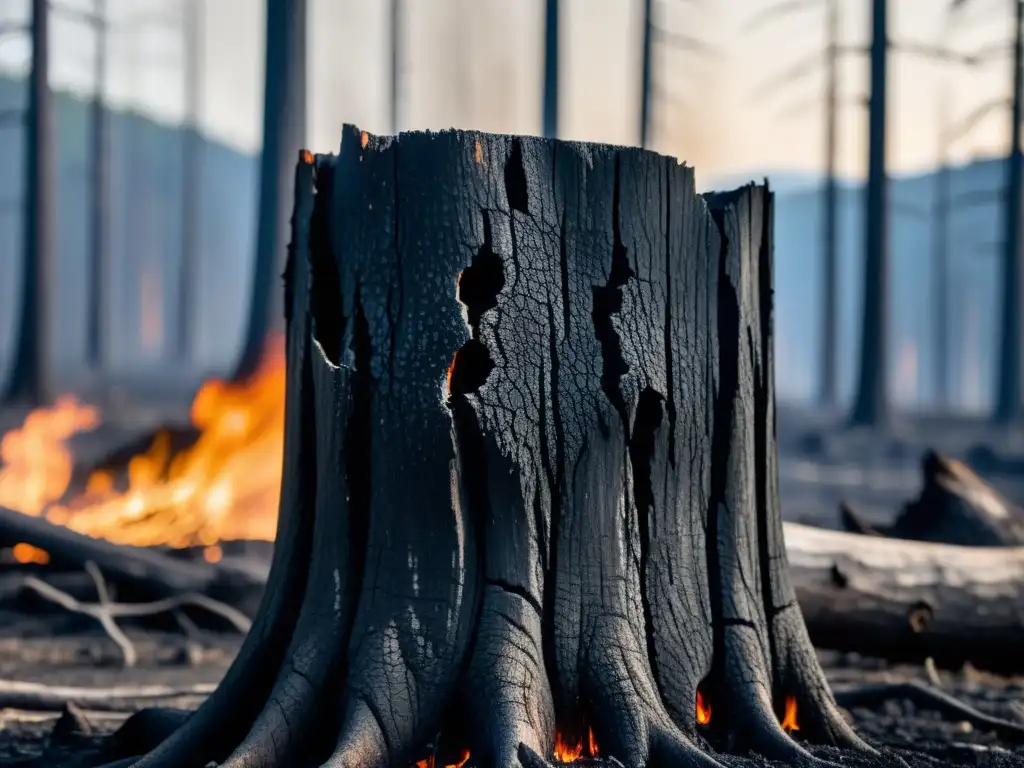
{"x": 955, "y": 506}
{"x": 530, "y": 478}
{"x": 150, "y": 572}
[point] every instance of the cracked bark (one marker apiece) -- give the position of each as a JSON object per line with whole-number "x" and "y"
{"x": 530, "y": 480}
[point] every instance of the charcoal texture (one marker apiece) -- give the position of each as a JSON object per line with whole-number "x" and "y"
{"x": 531, "y": 478}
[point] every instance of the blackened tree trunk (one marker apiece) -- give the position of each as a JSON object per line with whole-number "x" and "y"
{"x": 191, "y": 179}
{"x": 940, "y": 257}
{"x": 552, "y": 61}
{"x": 1008, "y": 381}
{"x": 397, "y": 19}
{"x": 530, "y": 479}
{"x": 646, "y": 76}
{"x": 284, "y": 130}
{"x": 871, "y": 402}
{"x": 29, "y": 381}
{"x": 830, "y": 234}
{"x": 101, "y": 276}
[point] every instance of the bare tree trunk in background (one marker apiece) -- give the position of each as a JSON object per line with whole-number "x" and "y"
{"x": 871, "y": 406}
{"x": 1008, "y": 383}
{"x": 30, "y": 377}
{"x": 830, "y": 235}
{"x": 645, "y": 75}
{"x": 551, "y": 62}
{"x": 396, "y": 74}
{"x": 940, "y": 258}
{"x": 99, "y": 245}
{"x": 284, "y": 131}
{"x": 191, "y": 178}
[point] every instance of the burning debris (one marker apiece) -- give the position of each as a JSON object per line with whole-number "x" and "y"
{"x": 224, "y": 486}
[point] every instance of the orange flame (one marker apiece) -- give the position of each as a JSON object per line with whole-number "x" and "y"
{"x": 566, "y": 752}
{"x": 451, "y": 370}
{"x": 789, "y": 723}
{"x": 429, "y": 761}
{"x": 36, "y": 463}
{"x": 225, "y": 486}
{"x": 703, "y": 710}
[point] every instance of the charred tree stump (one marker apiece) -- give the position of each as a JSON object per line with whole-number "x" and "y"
{"x": 530, "y": 480}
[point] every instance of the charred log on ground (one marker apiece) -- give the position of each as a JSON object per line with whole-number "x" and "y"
{"x": 955, "y": 506}
{"x": 909, "y": 601}
{"x": 530, "y": 481}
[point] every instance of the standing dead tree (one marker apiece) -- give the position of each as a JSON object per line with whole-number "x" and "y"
{"x": 552, "y": 65}
{"x": 192, "y": 26}
{"x": 284, "y": 128}
{"x": 828, "y": 58}
{"x": 28, "y": 380}
{"x": 530, "y": 479}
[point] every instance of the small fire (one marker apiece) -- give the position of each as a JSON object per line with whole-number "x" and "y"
{"x": 35, "y": 463}
{"x": 225, "y": 486}
{"x": 703, "y": 710}
{"x": 789, "y": 723}
{"x": 429, "y": 761}
{"x": 566, "y": 752}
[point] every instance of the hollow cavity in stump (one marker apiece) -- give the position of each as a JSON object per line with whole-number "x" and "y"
{"x": 530, "y": 504}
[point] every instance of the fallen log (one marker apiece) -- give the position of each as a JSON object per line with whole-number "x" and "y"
{"x": 955, "y": 506}
{"x": 905, "y": 600}
{"x": 36, "y": 697}
{"x": 864, "y": 594}
{"x": 149, "y": 572}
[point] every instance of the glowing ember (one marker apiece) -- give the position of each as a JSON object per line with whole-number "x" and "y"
{"x": 789, "y": 723}
{"x": 451, "y": 370}
{"x": 703, "y": 710}
{"x": 26, "y": 553}
{"x": 566, "y": 752}
{"x": 225, "y": 486}
{"x": 429, "y": 762}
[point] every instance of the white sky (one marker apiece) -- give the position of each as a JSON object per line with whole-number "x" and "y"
{"x": 476, "y": 64}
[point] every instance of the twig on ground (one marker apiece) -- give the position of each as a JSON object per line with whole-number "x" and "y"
{"x": 128, "y": 651}
{"x": 106, "y": 612}
{"x": 1017, "y": 708}
{"x": 36, "y": 697}
{"x": 929, "y": 698}
{"x": 193, "y": 648}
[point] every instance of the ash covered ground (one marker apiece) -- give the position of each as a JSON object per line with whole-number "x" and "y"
{"x": 820, "y": 467}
